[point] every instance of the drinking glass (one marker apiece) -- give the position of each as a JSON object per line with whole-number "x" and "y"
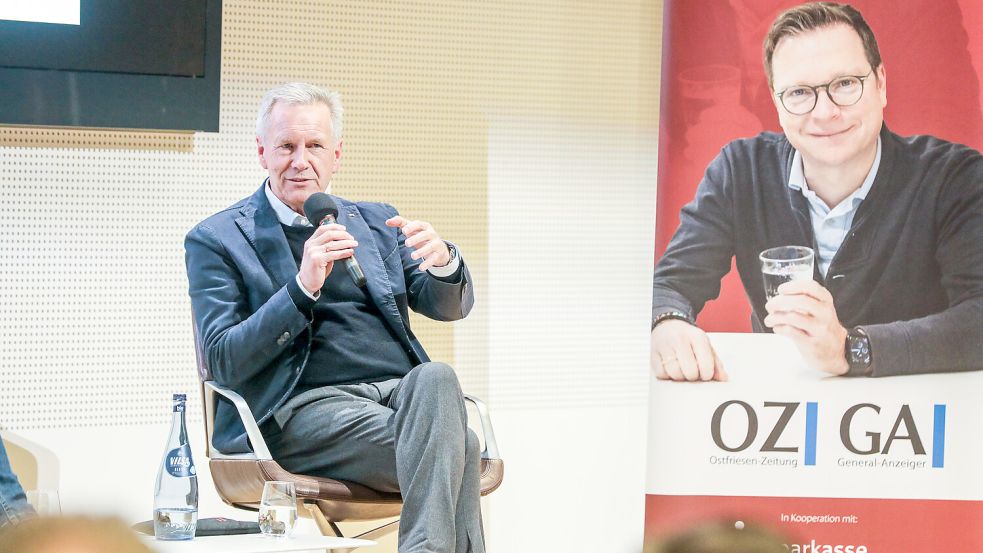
{"x": 45, "y": 502}
{"x": 278, "y": 509}
{"x": 785, "y": 263}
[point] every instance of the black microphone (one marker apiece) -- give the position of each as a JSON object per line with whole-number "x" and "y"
{"x": 320, "y": 209}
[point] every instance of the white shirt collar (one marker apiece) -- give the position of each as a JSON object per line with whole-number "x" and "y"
{"x": 283, "y": 212}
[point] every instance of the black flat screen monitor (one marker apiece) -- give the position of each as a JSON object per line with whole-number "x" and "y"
{"x": 136, "y": 64}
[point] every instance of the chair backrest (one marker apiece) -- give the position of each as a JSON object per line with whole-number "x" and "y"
{"x": 209, "y": 390}
{"x": 207, "y": 399}
{"x": 208, "y": 416}
{"x": 203, "y": 372}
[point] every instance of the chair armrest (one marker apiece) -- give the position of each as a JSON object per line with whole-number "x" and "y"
{"x": 491, "y": 446}
{"x": 260, "y": 451}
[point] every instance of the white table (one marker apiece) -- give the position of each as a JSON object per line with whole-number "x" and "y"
{"x": 254, "y": 543}
{"x": 890, "y": 464}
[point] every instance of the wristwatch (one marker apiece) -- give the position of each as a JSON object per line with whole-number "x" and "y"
{"x": 451, "y": 250}
{"x": 858, "y": 353}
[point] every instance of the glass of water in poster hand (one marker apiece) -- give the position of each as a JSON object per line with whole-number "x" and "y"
{"x": 783, "y": 264}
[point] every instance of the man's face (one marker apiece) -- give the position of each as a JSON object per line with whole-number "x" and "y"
{"x": 830, "y": 136}
{"x": 299, "y": 151}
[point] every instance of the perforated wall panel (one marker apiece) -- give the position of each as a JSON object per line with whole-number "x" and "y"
{"x": 93, "y": 293}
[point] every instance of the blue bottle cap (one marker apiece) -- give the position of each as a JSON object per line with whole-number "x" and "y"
{"x": 180, "y": 397}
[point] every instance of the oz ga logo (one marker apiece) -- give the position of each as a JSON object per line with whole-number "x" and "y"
{"x": 881, "y": 429}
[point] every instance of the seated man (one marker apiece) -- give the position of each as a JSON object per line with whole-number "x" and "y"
{"x": 895, "y": 222}
{"x": 337, "y": 381}
{"x": 13, "y": 505}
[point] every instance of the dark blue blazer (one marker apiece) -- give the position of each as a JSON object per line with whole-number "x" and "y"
{"x": 254, "y": 338}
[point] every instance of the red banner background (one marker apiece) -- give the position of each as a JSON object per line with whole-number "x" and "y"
{"x": 714, "y": 90}
{"x": 879, "y": 525}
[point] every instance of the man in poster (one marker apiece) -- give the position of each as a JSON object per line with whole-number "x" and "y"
{"x": 895, "y": 222}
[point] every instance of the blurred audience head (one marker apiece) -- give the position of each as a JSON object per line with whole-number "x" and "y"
{"x": 70, "y": 535}
{"x": 722, "y": 537}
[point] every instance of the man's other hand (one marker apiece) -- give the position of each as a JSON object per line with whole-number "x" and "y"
{"x": 803, "y": 310}
{"x": 328, "y": 244}
{"x": 427, "y": 244}
{"x": 681, "y": 351}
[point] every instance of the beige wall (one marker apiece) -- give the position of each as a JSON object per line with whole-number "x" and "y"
{"x": 96, "y": 317}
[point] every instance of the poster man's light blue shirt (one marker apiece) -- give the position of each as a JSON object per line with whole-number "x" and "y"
{"x": 831, "y": 225}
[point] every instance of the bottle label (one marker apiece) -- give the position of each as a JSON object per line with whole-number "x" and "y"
{"x": 178, "y": 462}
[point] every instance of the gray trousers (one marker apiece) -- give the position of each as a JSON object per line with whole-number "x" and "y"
{"x": 405, "y": 435}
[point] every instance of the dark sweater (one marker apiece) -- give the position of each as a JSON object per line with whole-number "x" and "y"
{"x": 910, "y": 271}
{"x": 351, "y": 342}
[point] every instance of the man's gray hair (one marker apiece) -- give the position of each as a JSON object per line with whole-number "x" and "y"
{"x": 300, "y": 94}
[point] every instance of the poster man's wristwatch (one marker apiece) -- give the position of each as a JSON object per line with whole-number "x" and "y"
{"x": 858, "y": 353}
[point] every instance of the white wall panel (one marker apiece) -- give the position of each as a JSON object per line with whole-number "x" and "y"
{"x": 571, "y": 213}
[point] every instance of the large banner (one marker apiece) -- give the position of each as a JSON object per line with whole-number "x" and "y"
{"x": 883, "y": 465}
